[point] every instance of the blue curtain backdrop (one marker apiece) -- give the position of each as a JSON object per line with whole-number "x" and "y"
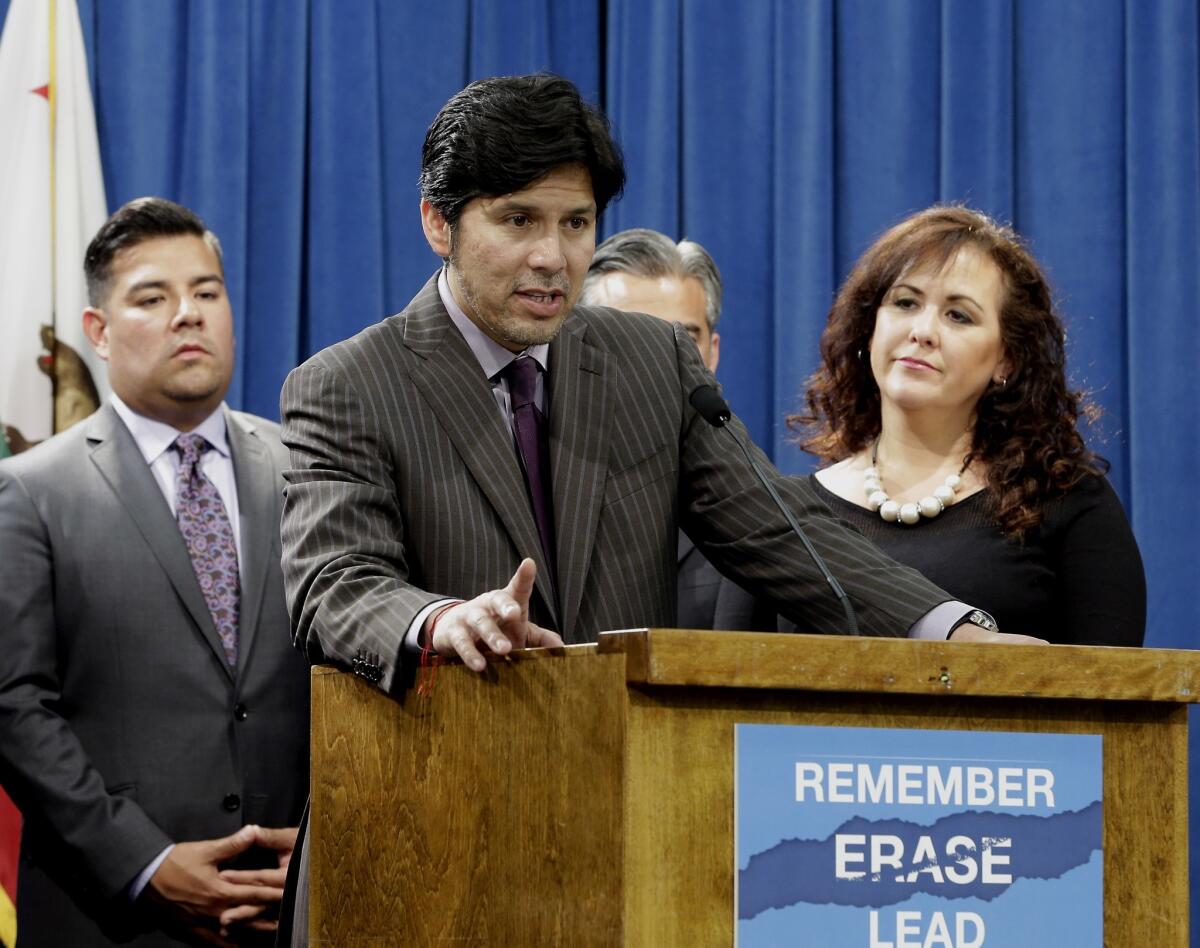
{"x": 781, "y": 134}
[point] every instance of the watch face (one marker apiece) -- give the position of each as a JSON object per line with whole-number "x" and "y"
{"x": 983, "y": 620}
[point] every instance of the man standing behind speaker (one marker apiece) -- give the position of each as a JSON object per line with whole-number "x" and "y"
{"x": 152, "y": 709}
{"x": 644, "y": 271}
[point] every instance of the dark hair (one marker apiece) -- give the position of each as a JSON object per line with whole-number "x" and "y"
{"x": 1025, "y": 430}
{"x": 501, "y": 134}
{"x": 142, "y": 219}
{"x": 647, "y": 253}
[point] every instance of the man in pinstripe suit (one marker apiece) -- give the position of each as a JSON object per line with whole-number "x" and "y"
{"x": 645, "y": 271}
{"x": 418, "y": 515}
{"x": 411, "y": 520}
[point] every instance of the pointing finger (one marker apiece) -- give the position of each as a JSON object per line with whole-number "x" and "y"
{"x": 520, "y": 587}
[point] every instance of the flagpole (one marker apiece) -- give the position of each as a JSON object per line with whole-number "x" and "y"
{"x": 53, "y": 4}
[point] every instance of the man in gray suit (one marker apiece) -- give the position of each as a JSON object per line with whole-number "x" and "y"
{"x": 495, "y": 467}
{"x": 644, "y": 271}
{"x": 152, "y": 709}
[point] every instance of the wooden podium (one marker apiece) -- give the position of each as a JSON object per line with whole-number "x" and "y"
{"x": 584, "y": 796}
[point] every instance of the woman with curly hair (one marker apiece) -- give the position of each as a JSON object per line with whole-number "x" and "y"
{"x": 943, "y": 408}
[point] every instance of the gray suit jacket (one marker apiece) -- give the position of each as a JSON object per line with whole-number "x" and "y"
{"x": 122, "y": 727}
{"x": 405, "y": 488}
{"x": 708, "y": 600}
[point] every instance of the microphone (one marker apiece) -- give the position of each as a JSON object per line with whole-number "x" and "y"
{"x": 715, "y": 410}
{"x": 711, "y": 406}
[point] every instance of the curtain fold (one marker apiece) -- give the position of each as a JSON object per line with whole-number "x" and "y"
{"x": 976, "y": 151}
{"x": 804, "y": 206}
{"x": 727, "y": 110}
{"x": 271, "y": 339}
{"x": 642, "y": 96}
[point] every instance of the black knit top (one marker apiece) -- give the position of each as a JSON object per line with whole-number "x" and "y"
{"x": 1076, "y": 578}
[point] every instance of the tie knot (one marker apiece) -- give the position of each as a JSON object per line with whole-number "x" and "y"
{"x": 522, "y": 375}
{"x": 190, "y": 447}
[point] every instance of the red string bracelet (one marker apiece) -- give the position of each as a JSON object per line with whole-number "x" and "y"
{"x": 430, "y": 660}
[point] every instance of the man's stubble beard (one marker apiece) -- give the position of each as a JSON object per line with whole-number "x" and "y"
{"x": 507, "y": 327}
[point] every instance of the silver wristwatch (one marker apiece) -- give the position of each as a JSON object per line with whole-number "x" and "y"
{"x": 980, "y": 618}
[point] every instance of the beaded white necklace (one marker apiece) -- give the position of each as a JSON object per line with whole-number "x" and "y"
{"x": 891, "y": 511}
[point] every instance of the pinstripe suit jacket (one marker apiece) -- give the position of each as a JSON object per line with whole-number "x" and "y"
{"x": 405, "y": 488}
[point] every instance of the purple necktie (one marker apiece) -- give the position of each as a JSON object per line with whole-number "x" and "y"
{"x": 533, "y": 445}
{"x": 205, "y": 526}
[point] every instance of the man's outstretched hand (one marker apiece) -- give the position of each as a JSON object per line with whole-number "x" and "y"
{"x": 497, "y": 621}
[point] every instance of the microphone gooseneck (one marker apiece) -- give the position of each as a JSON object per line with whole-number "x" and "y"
{"x": 715, "y": 410}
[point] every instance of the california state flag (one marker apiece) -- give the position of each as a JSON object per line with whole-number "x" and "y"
{"x": 51, "y": 203}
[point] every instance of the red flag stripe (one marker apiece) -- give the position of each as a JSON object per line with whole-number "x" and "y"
{"x": 10, "y": 845}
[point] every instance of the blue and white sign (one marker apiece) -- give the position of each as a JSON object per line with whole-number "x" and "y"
{"x": 890, "y": 838}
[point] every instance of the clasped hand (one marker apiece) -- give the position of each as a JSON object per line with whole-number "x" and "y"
{"x": 205, "y": 904}
{"x": 497, "y": 621}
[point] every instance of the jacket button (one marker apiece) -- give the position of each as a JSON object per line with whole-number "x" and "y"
{"x": 240, "y": 713}
{"x": 231, "y": 802}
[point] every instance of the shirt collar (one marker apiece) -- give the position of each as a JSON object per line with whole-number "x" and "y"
{"x": 491, "y": 356}
{"x": 154, "y": 437}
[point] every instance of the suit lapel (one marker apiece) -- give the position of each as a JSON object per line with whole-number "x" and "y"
{"x": 116, "y": 456}
{"x": 259, "y": 515}
{"x": 580, "y": 413}
{"x": 684, "y": 547}
{"x": 473, "y": 424}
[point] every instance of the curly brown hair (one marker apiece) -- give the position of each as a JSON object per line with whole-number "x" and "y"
{"x": 1025, "y": 431}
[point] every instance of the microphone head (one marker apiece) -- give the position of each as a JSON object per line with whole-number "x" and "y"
{"x": 711, "y": 406}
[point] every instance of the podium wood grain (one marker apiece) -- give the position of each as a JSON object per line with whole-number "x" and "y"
{"x": 585, "y": 796}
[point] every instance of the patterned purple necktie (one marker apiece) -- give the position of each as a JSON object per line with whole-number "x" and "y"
{"x": 205, "y": 526}
{"x": 533, "y": 444}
